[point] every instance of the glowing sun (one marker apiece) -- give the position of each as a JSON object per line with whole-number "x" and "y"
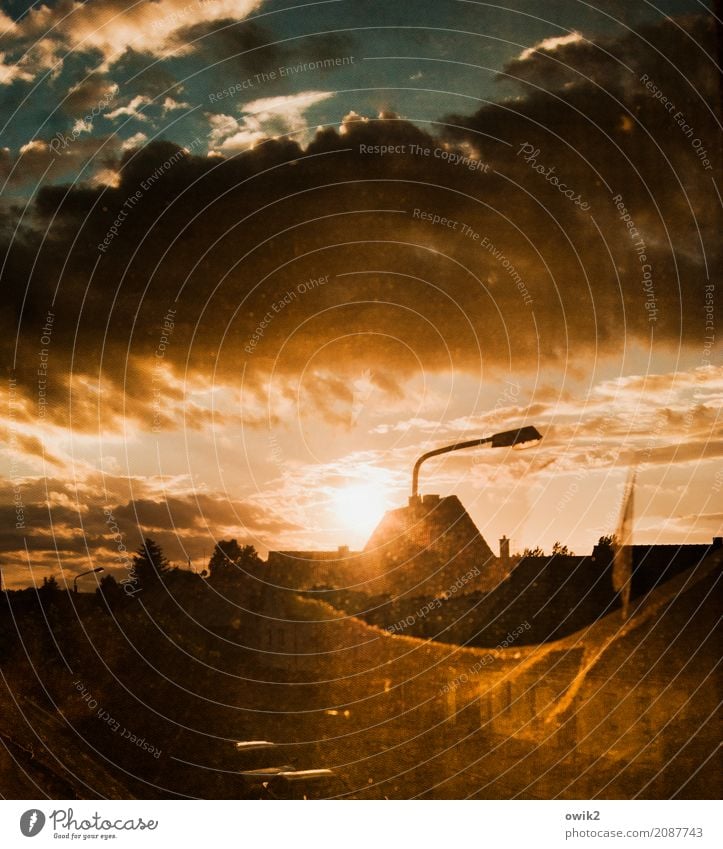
{"x": 359, "y": 508}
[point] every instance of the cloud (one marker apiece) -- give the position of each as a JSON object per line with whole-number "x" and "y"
{"x": 646, "y": 420}
{"x": 150, "y": 77}
{"x": 340, "y": 283}
{"x": 226, "y": 46}
{"x": 133, "y": 109}
{"x": 264, "y": 118}
{"x": 551, "y": 44}
{"x": 171, "y": 105}
{"x": 11, "y": 71}
{"x": 94, "y": 517}
{"x": 81, "y": 126}
{"x": 107, "y": 27}
{"x": 35, "y": 59}
{"x": 136, "y": 140}
{"x": 64, "y": 156}
{"x": 94, "y": 91}
{"x": 196, "y": 513}
{"x": 228, "y": 43}
{"x": 231, "y": 240}
{"x": 608, "y": 68}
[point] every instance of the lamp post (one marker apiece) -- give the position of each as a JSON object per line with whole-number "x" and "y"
{"x": 508, "y": 439}
{"x": 89, "y": 572}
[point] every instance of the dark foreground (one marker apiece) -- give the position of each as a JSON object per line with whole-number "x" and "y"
{"x": 145, "y": 698}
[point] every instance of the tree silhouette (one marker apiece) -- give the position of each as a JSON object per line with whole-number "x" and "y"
{"x": 150, "y": 565}
{"x": 605, "y": 549}
{"x": 609, "y": 541}
{"x": 110, "y": 591}
{"x": 231, "y": 559}
{"x": 562, "y": 550}
{"x": 50, "y": 589}
{"x": 249, "y": 560}
{"x": 533, "y": 552}
{"x": 226, "y": 554}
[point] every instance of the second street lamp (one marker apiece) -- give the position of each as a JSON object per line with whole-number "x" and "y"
{"x": 519, "y": 438}
{"x": 82, "y": 574}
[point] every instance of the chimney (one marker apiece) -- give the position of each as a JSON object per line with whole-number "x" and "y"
{"x": 505, "y": 552}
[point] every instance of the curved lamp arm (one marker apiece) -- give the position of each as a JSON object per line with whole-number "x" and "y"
{"x": 510, "y": 438}
{"x": 83, "y": 574}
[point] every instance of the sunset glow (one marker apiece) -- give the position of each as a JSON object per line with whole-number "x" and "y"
{"x": 359, "y": 508}
{"x": 360, "y": 421}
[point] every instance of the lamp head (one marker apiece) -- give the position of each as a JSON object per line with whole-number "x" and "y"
{"x": 521, "y": 438}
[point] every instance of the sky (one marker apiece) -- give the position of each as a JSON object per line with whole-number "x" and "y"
{"x": 258, "y": 256}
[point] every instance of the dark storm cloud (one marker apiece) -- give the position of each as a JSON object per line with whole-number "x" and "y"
{"x": 105, "y": 26}
{"x": 247, "y": 44}
{"x": 255, "y": 48}
{"x": 84, "y": 96}
{"x": 57, "y": 516}
{"x": 676, "y": 47}
{"x": 143, "y": 73}
{"x": 60, "y": 157}
{"x": 195, "y": 513}
{"x": 231, "y": 244}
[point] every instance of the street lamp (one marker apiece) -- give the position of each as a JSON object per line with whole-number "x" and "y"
{"x": 89, "y": 572}
{"x": 519, "y": 438}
